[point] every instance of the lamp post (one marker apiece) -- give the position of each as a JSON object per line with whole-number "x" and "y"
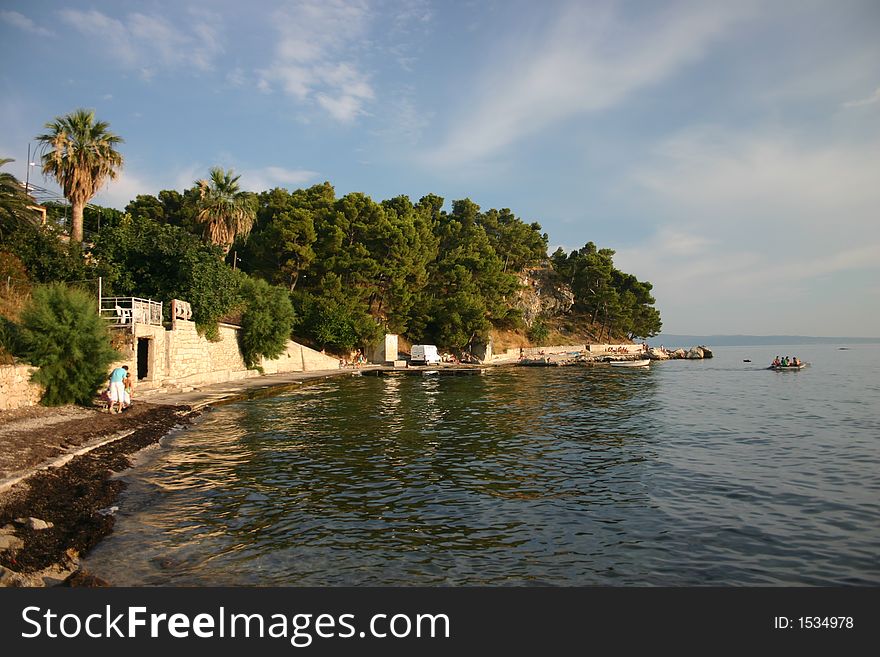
{"x": 27, "y": 176}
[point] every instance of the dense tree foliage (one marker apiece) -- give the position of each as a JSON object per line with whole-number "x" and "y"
{"x": 351, "y": 266}
{"x": 620, "y": 301}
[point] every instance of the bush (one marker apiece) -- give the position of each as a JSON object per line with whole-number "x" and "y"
{"x": 539, "y": 332}
{"x": 265, "y": 321}
{"x": 62, "y": 334}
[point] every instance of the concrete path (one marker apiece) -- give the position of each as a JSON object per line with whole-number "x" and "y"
{"x": 220, "y": 393}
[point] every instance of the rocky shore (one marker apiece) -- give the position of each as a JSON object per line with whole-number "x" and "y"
{"x": 52, "y": 516}
{"x": 57, "y": 491}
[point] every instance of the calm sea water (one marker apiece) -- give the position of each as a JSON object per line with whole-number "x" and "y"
{"x": 689, "y": 473}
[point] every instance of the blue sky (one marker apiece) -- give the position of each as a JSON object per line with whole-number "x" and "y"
{"x": 729, "y": 152}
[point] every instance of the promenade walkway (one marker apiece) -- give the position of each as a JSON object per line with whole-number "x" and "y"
{"x": 230, "y": 391}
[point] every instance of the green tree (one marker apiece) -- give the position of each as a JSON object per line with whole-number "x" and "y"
{"x": 281, "y": 245}
{"x": 622, "y": 302}
{"x": 266, "y": 320}
{"x": 15, "y": 202}
{"x": 224, "y": 210}
{"x": 80, "y": 153}
{"x": 335, "y": 319}
{"x": 63, "y": 335}
{"x": 148, "y": 207}
{"x": 517, "y": 243}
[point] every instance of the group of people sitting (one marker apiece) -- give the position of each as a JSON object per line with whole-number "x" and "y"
{"x": 118, "y": 394}
{"x": 785, "y": 361}
{"x": 355, "y": 360}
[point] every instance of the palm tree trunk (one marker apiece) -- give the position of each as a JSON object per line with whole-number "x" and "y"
{"x": 76, "y": 228}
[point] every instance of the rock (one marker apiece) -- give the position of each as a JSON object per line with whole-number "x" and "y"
{"x": 83, "y": 579}
{"x": 10, "y": 578}
{"x": 10, "y": 543}
{"x": 541, "y": 294}
{"x": 707, "y": 353}
{"x": 679, "y": 353}
{"x": 658, "y": 354}
{"x": 5, "y": 530}
{"x": 34, "y": 523}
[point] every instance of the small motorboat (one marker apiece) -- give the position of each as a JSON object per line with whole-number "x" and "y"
{"x": 630, "y": 363}
{"x": 788, "y": 368}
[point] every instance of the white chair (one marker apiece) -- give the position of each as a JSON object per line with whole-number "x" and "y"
{"x": 123, "y": 315}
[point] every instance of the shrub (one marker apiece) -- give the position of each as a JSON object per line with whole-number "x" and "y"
{"x": 62, "y": 334}
{"x": 539, "y": 332}
{"x": 266, "y": 320}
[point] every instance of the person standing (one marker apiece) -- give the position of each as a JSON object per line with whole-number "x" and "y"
{"x": 129, "y": 388}
{"x": 117, "y": 387}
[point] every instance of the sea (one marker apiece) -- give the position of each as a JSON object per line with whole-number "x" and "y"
{"x": 688, "y": 473}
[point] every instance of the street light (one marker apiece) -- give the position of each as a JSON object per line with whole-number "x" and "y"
{"x": 27, "y": 177}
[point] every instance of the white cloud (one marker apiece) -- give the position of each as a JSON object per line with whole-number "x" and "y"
{"x": 259, "y": 180}
{"x": 747, "y": 222}
{"x": 711, "y": 174}
{"x": 24, "y": 23}
{"x": 873, "y": 99}
{"x": 128, "y": 184}
{"x": 147, "y": 42}
{"x": 315, "y": 53}
{"x": 588, "y": 60}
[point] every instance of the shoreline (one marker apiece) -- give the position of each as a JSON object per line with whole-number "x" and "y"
{"x": 72, "y": 488}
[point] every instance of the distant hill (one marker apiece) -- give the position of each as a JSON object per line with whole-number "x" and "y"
{"x": 672, "y": 340}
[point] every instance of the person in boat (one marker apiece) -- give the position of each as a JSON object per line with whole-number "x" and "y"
{"x": 795, "y": 361}
{"x": 776, "y": 362}
{"x": 785, "y": 361}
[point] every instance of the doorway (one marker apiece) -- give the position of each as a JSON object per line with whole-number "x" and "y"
{"x": 143, "y": 358}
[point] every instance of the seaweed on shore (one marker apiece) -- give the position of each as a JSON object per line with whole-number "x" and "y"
{"x": 71, "y": 496}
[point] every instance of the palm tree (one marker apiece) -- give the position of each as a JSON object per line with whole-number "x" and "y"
{"x": 80, "y": 154}
{"x": 15, "y": 203}
{"x": 226, "y": 211}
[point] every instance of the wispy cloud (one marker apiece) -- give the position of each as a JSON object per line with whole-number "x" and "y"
{"x": 314, "y": 57}
{"x": 873, "y": 99}
{"x": 24, "y": 23}
{"x": 754, "y": 219}
{"x": 757, "y": 180}
{"x": 588, "y": 60}
{"x": 258, "y": 180}
{"x": 149, "y": 42}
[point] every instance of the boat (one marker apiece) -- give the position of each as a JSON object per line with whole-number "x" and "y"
{"x": 630, "y": 363}
{"x": 788, "y": 368}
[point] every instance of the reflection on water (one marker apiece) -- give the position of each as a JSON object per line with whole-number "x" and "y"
{"x": 520, "y": 476}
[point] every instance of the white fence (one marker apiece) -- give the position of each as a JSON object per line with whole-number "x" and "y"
{"x": 128, "y": 311}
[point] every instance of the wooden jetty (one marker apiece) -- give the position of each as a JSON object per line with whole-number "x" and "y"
{"x": 442, "y": 369}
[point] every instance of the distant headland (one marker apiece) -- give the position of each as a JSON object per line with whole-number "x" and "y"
{"x": 673, "y": 340}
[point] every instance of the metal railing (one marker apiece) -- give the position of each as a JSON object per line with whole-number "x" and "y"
{"x": 128, "y": 311}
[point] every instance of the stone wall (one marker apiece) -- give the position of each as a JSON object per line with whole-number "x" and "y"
{"x": 192, "y": 358}
{"x": 16, "y": 389}
{"x": 178, "y": 358}
{"x": 299, "y": 358}
{"x": 591, "y": 348}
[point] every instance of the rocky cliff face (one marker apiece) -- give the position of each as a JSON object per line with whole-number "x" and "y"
{"x": 542, "y": 294}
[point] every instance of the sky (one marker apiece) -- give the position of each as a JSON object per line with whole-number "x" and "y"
{"x": 729, "y": 152}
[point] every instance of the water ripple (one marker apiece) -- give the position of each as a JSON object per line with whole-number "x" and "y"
{"x": 685, "y": 474}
